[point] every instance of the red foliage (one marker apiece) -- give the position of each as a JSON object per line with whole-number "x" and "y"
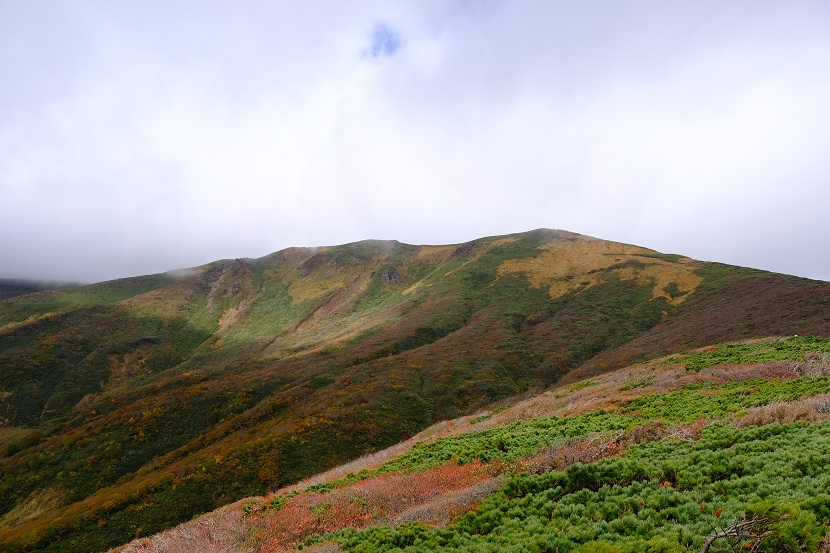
{"x": 357, "y": 505}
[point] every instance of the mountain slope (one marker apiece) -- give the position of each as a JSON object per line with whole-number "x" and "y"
{"x": 134, "y": 404}
{"x": 661, "y": 456}
{"x": 10, "y": 287}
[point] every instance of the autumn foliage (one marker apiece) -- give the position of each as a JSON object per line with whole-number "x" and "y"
{"x": 380, "y": 499}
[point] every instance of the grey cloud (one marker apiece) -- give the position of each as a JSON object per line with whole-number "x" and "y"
{"x": 142, "y": 137}
{"x": 384, "y": 41}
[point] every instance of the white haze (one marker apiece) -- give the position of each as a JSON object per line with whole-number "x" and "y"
{"x": 139, "y": 137}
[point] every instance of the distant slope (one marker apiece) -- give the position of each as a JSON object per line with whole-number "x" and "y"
{"x": 148, "y": 400}
{"x": 10, "y": 287}
{"x": 733, "y": 304}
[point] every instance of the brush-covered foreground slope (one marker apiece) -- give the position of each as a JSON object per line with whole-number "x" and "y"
{"x": 662, "y": 456}
{"x": 131, "y": 405}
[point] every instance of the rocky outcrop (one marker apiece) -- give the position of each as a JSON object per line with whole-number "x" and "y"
{"x": 390, "y": 275}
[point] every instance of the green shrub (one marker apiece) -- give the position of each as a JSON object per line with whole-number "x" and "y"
{"x": 597, "y": 547}
{"x": 790, "y": 349}
{"x": 793, "y": 530}
{"x": 660, "y": 497}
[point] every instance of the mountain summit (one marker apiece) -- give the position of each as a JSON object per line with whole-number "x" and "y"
{"x": 131, "y": 405}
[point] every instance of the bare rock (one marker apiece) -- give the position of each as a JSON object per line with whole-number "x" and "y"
{"x": 390, "y": 275}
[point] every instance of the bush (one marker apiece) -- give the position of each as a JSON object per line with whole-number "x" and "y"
{"x": 779, "y": 413}
{"x": 597, "y": 547}
{"x": 792, "y": 530}
{"x": 814, "y": 365}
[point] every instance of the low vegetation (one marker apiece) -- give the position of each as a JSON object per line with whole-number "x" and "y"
{"x": 661, "y": 496}
{"x": 711, "y": 465}
{"x": 810, "y": 354}
{"x": 130, "y": 406}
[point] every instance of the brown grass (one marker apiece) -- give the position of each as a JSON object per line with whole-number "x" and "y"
{"x": 435, "y": 496}
{"x": 367, "y": 462}
{"x": 779, "y": 413}
{"x": 35, "y": 505}
{"x": 561, "y": 456}
{"x": 814, "y": 409}
{"x": 583, "y": 261}
{"x": 221, "y": 531}
{"x": 588, "y": 450}
{"x": 821, "y": 404}
{"x": 814, "y": 366}
{"x": 444, "y": 508}
{"x": 611, "y": 391}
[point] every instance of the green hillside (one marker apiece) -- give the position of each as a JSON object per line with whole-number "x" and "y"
{"x": 723, "y": 449}
{"x": 132, "y": 405}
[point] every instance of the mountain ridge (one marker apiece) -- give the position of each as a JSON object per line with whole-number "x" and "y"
{"x": 12, "y": 287}
{"x": 186, "y": 390}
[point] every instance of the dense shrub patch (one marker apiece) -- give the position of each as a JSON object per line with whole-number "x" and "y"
{"x": 791, "y": 349}
{"x": 523, "y": 438}
{"x": 712, "y": 401}
{"x": 660, "y": 496}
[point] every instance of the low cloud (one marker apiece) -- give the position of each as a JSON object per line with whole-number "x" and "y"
{"x": 134, "y": 144}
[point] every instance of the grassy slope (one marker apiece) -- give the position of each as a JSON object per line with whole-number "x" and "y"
{"x": 148, "y": 400}
{"x": 732, "y": 304}
{"x": 654, "y": 457}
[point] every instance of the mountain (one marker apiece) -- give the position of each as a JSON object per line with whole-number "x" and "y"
{"x": 131, "y": 405}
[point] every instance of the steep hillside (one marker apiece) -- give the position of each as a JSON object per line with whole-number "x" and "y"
{"x": 131, "y": 405}
{"x": 722, "y": 449}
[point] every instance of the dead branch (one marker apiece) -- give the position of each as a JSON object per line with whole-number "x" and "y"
{"x": 752, "y": 530}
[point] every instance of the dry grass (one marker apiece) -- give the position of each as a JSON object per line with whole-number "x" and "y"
{"x": 821, "y": 404}
{"x": 618, "y": 388}
{"x": 35, "y": 505}
{"x": 588, "y": 450}
{"x": 816, "y": 365}
{"x": 222, "y": 531}
{"x": 561, "y": 456}
{"x": 435, "y": 496}
{"x": 586, "y": 260}
{"x": 377, "y": 459}
{"x": 812, "y": 409}
{"x": 612, "y": 391}
{"x": 367, "y": 462}
{"x": 779, "y": 413}
{"x": 444, "y": 508}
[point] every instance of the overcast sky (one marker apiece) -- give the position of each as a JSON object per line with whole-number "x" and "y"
{"x": 139, "y": 137}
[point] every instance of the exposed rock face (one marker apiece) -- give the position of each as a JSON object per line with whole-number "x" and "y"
{"x": 390, "y": 275}
{"x": 463, "y": 250}
{"x": 225, "y": 279}
{"x": 312, "y": 264}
